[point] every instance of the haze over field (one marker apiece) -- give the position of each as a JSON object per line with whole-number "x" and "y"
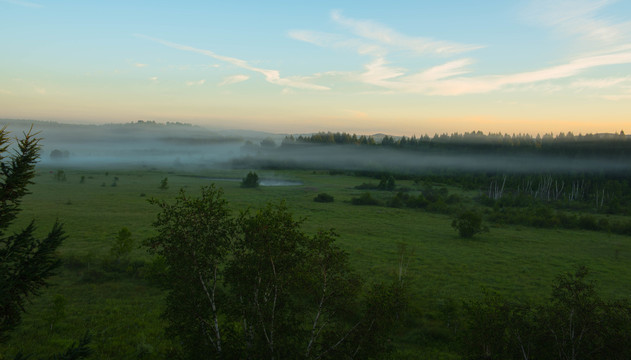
{"x": 188, "y": 146}
{"x": 406, "y": 68}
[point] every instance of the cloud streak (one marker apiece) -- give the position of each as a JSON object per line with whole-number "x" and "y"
{"x": 599, "y": 83}
{"x": 271, "y": 76}
{"x": 233, "y": 79}
{"x": 444, "y": 79}
{"x": 384, "y": 35}
{"x": 453, "y": 77}
{"x": 196, "y": 83}
{"x": 580, "y": 18}
{"x": 336, "y": 41}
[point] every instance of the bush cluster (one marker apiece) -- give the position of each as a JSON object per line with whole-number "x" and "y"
{"x": 545, "y": 217}
{"x": 365, "y": 199}
{"x": 323, "y": 198}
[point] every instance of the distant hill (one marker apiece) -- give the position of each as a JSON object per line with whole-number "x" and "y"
{"x": 145, "y": 142}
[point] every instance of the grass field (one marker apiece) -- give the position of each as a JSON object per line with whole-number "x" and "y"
{"x": 121, "y": 307}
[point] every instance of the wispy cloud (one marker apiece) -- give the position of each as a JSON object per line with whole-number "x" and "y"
{"x": 384, "y": 35}
{"x": 337, "y": 41}
{"x": 5, "y": 92}
{"x": 153, "y": 78}
{"x": 449, "y": 69}
{"x": 580, "y": 18}
{"x": 444, "y": 79}
{"x": 377, "y": 39}
{"x": 599, "y": 83}
{"x": 196, "y": 83}
{"x": 356, "y": 114}
{"x": 271, "y": 76}
{"x": 233, "y": 79}
{"x": 452, "y": 77}
{"x": 22, "y": 3}
{"x": 140, "y": 65}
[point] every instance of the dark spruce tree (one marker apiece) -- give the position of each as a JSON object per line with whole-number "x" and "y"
{"x": 26, "y": 262}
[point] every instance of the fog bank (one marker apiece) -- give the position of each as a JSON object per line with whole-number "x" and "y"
{"x": 181, "y": 145}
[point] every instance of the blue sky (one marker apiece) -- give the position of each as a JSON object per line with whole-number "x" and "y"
{"x": 402, "y": 67}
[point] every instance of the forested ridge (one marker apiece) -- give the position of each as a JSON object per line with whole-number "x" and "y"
{"x": 615, "y": 144}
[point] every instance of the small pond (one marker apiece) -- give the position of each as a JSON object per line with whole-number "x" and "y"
{"x": 262, "y": 182}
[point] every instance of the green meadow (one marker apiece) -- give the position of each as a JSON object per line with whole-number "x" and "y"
{"x": 120, "y": 303}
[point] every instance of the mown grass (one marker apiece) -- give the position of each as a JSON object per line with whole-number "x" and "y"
{"x": 116, "y": 302}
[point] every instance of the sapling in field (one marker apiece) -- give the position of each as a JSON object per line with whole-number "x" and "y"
{"x": 123, "y": 244}
{"x": 164, "y": 183}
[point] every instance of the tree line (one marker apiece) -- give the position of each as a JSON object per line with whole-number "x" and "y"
{"x": 567, "y": 144}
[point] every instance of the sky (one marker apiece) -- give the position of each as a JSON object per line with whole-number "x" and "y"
{"x": 398, "y": 67}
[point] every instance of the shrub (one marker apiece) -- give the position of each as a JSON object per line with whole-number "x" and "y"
{"x": 387, "y": 183}
{"x": 453, "y": 199}
{"x": 438, "y": 206}
{"x": 417, "y": 202}
{"x": 366, "y": 186}
{"x": 468, "y": 224}
{"x": 397, "y": 201}
{"x": 323, "y": 198}
{"x": 60, "y": 175}
{"x": 568, "y": 221}
{"x": 251, "y": 180}
{"x": 364, "y": 199}
{"x": 587, "y": 222}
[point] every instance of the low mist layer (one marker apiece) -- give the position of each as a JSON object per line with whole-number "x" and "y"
{"x": 182, "y": 145}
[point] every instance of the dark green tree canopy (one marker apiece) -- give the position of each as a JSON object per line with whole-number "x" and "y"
{"x": 256, "y": 286}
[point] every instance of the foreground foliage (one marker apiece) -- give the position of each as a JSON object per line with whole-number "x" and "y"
{"x": 257, "y": 286}
{"x": 121, "y": 308}
{"x": 574, "y": 324}
{"x": 26, "y": 262}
